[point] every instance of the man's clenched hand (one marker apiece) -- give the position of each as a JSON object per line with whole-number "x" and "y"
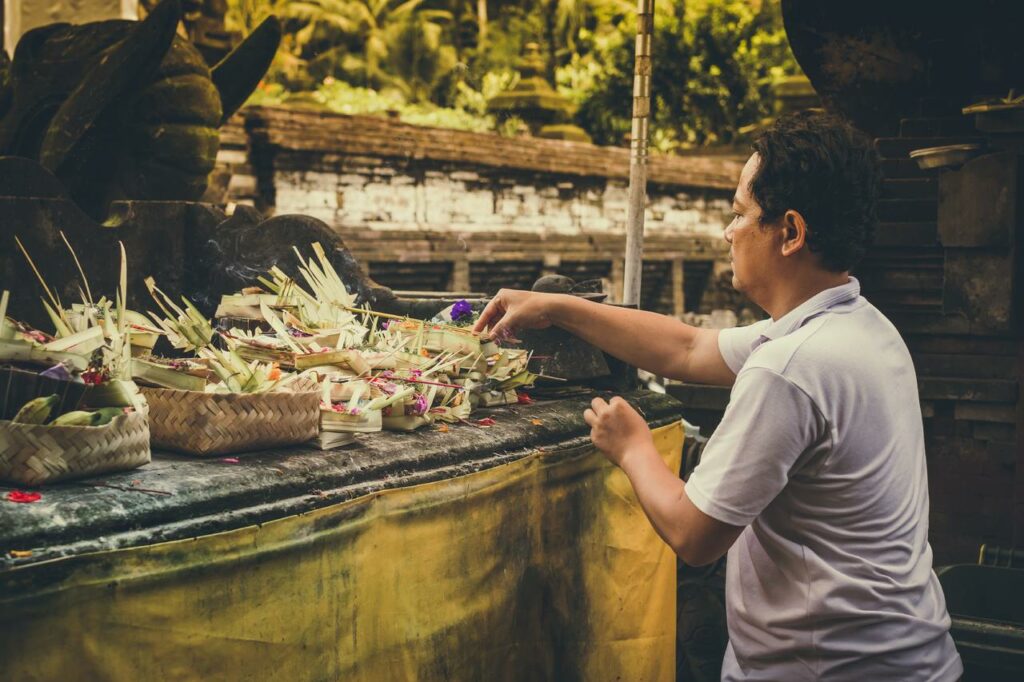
{"x": 617, "y": 429}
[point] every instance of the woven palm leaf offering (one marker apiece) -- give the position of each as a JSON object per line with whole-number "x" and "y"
{"x": 68, "y": 405}
{"x": 376, "y": 370}
{"x": 217, "y": 402}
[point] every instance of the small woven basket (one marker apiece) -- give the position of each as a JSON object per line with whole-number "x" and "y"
{"x": 207, "y": 424}
{"x": 34, "y": 454}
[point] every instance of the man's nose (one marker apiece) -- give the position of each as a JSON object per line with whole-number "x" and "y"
{"x": 728, "y": 233}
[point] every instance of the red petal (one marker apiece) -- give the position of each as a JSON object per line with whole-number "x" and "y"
{"x": 23, "y": 497}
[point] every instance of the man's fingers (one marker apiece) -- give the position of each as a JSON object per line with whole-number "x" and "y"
{"x": 599, "y": 405}
{"x": 492, "y": 313}
{"x": 589, "y": 416}
{"x": 500, "y": 331}
{"x": 619, "y": 403}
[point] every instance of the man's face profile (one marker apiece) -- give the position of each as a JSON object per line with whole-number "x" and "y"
{"x": 752, "y": 246}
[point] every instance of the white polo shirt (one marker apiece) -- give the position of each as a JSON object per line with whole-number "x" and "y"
{"x": 820, "y": 454}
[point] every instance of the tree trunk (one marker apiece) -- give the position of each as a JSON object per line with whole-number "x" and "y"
{"x": 551, "y": 39}
{"x": 481, "y": 20}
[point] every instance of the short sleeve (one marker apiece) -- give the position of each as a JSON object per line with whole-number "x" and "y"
{"x": 769, "y": 424}
{"x": 734, "y": 344}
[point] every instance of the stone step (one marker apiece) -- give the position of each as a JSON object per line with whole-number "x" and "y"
{"x": 914, "y": 188}
{"x": 925, "y": 281}
{"x": 937, "y": 127}
{"x": 907, "y": 210}
{"x": 894, "y": 169}
{"x": 906, "y": 234}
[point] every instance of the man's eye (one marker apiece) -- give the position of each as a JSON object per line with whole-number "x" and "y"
{"x": 735, "y": 216}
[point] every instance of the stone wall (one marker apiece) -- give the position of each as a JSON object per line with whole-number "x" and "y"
{"x": 376, "y": 194}
{"x": 426, "y": 207}
{"x": 24, "y": 15}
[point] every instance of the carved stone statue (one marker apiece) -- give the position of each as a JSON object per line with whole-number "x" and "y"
{"x": 120, "y": 119}
{"x": 125, "y": 109}
{"x": 203, "y": 21}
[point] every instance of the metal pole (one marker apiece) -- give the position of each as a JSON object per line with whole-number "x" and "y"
{"x": 638, "y": 152}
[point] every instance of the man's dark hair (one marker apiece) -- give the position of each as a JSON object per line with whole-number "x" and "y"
{"x": 820, "y": 166}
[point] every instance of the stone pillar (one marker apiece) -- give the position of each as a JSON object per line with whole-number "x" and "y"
{"x": 678, "y": 292}
{"x": 460, "y": 274}
{"x": 24, "y": 15}
{"x": 618, "y": 277}
{"x": 552, "y": 261}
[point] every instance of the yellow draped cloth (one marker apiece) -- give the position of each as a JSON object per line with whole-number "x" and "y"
{"x": 541, "y": 569}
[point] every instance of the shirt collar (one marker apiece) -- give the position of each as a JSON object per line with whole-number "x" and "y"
{"x": 816, "y": 305}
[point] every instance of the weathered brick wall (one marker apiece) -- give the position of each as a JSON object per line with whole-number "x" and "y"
{"x": 385, "y": 194}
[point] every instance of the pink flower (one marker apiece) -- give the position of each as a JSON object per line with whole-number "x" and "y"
{"x": 418, "y": 405}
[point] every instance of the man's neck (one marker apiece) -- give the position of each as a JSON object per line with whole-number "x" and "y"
{"x": 798, "y": 290}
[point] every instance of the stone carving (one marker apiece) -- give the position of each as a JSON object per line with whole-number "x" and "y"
{"x": 541, "y": 107}
{"x": 203, "y": 21}
{"x": 123, "y": 109}
{"x": 191, "y": 248}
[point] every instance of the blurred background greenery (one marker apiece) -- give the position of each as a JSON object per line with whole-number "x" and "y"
{"x": 437, "y": 62}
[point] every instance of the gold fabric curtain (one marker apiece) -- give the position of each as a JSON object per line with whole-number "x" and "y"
{"x": 544, "y": 568}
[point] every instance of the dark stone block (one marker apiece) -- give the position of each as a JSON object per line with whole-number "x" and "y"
{"x": 982, "y": 390}
{"x": 978, "y": 285}
{"x": 980, "y": 205}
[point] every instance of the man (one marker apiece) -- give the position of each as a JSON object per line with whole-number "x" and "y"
{"x": 815, "y": 480}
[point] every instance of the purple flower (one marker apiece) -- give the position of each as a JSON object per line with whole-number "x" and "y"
{"x": 418, "y": 406}
{"x": 59, "y": 372}
{"x": 461, "y": 309}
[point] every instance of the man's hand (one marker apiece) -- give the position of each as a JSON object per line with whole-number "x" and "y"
{"x": 617, "y": 429}
{"x": 512, "y": 310}
{"x": 625, "y": 439}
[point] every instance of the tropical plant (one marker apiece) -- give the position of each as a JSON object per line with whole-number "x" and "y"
{"x": 713, "y": 73}
{"x": 370, "y": 43}
{"x": 438, "y": 61}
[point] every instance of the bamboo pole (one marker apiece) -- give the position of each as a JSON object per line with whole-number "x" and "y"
{"x": 638, "y": 152}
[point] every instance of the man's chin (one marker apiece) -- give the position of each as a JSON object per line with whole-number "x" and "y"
{"x": 736, "y": 284}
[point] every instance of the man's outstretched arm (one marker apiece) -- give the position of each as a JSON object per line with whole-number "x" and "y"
{"x": 659, "y": 344}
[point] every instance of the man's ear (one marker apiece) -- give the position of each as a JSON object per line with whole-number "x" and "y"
{"x": 794, "y": 232}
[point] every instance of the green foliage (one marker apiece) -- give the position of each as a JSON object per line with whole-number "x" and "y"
{"x": 713, "y": 73}
{"x": 714, "y": 61}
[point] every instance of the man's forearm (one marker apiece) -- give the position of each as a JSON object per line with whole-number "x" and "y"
{"x": 647, "y": 340}
{"x": 694, "y": 536}
{"x": 659, "y": 492}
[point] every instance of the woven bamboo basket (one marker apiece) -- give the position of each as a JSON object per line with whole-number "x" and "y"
{"x": 34, "y": 454}
{"x": 208, "y": 424}
{"x": 18, "y": 386}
